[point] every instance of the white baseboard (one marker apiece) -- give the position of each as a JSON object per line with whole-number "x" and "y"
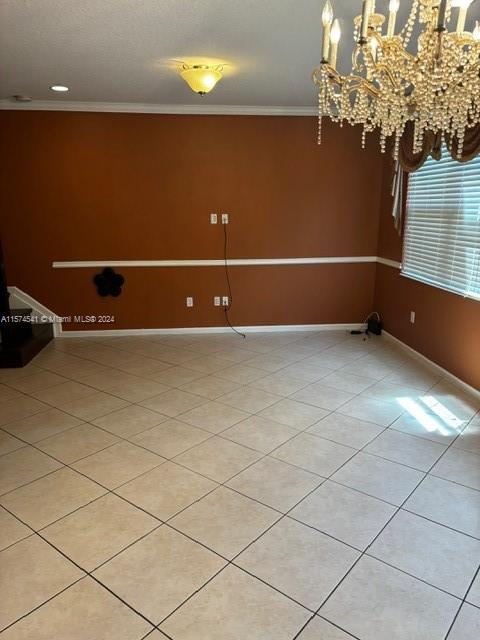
{"x": 199, "y": 330}
{"x": 19, "y": 297}
{"x": 433, "y": 365}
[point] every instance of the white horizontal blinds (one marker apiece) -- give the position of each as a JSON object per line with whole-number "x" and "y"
{"x": 442, "y": 235}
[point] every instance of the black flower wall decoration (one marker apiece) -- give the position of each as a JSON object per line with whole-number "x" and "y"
{"x": 109, "y": 283}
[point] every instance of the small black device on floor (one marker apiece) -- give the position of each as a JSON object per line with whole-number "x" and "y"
{"x": 374, "y": 325}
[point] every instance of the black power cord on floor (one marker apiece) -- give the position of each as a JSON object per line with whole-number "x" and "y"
{"x": 227, "y": 308}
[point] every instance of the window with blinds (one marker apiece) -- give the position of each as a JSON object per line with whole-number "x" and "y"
{"x": 442, "y": 234}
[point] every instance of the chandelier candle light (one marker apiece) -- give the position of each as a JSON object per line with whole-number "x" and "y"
{"x": 437, "y": 88}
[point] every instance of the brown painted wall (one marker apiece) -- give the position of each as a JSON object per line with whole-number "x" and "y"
{"x": 447, "y": 326}
{"x": 96, "y": 186}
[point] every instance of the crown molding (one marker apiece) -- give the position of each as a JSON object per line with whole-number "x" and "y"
{"x": 172, "y": 109}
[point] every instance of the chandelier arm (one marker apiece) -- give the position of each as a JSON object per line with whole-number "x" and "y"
{"x": 331, "y": 72}
{"x": 399, "y": 50}
{"x": 355, "y": 83}
{"x": 381, "y": 66}
{"x": 391, "y": 43}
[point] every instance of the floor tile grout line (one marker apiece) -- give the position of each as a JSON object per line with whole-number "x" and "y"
{"x": 95, "y": 391}
{"x": 459, "y": 484}
{"x": 34, "y": 413}
{"x": 267, "y": 454}
{"x": 314, "y": 617}
{"x": 108, "y": 446}
{"x": 21, "y": 486}
{"x": 6, "y": 453}
{"x": 108, "y": 490}
{"x": 348, "y": 633}
{"x": 355, "y": 395}
{"x": 33, "y": 445}
{"x": 25, "y": 615}
{"x": 38, "y": 531}
{"x": 169, "y": 365}
{"x": 267, "y": 584}
{"x": 172, "y": 459}
{"x": 407, "y": 573}
{"x": 311, "y": 352}
{"x": 324, "y": 348}
{"x": 27, "y": 442}
{"x": 464, "y": 599}
{"x": 419, "y": 515}
{"x": 232, "y": 561}
{"x": 380, "y": 532}
{"x": 158, "y": 526}
{"x": 89, "y": 574}
{"x": 282, "y": 515}
{"x": 105, "y": 392}
{"x": 69, "y": 466}
{"x": 225, "y": 483}
{"x": 390, "y": 504}
{"x": 149, "y": 634}
{"x": 324, "y": 533}
{"x": 161, "y": 523}
{"x": 29, "y": 535}
{"x": 364, "y": 552}
{"x": 431, "y": 475}
{"x": 376, "y": 455}
{"x": 244, "y": 385}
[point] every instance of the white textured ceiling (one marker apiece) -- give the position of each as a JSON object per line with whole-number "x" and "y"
{"x": 123, "y": 50}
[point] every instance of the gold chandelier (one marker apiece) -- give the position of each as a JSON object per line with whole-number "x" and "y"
{"x": 437, "y": 88}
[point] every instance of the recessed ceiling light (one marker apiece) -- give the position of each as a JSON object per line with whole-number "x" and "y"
{"x": 59, "y": 87}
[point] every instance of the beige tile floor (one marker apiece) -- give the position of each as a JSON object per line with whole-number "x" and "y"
{"x": 204, "y": 487}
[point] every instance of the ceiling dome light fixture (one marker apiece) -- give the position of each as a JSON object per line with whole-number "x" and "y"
{"x": 59, "y": 87}
{"x": 201, "y": 78}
